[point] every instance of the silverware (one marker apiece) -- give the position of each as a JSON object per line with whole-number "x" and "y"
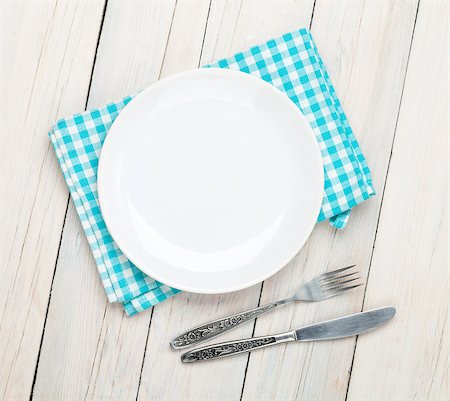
{"x": 316, "y": 289}
{"x": 351, "y": 325}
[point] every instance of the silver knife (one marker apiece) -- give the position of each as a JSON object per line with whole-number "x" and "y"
{"x": 351, "y": 325}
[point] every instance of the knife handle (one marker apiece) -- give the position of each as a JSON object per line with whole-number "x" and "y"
{"x": 217, "y": 327}
{"x": 235, "y": 347}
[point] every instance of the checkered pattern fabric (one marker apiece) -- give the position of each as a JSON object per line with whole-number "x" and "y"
{"x": 292, "y": 64}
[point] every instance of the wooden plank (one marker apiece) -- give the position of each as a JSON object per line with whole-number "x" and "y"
{"x": 163, "y": 376}
{"x": 409, "y": 358}
{"x": 236, "y": 25}
{"x": 98, "y": 349}
{"x": 368, "y": 70}
{"x": 46, "y": 58}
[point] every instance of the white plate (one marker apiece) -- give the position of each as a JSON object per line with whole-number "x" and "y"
{"x": 210, "y": 180}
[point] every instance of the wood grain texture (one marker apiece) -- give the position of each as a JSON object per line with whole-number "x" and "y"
{"x": 357, "y": 56}
{"x": 46, "y": 58}
{"x": 409, "y": 358}
{"x": 102, "y": 349}
{"x": 388, "y": 62}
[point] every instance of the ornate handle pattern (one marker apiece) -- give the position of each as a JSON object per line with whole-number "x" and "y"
{"x": 215, "y": 328}
{"x": 234, "y": 347}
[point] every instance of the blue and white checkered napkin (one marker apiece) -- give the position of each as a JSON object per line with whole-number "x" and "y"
{"x": 292, "y": 64}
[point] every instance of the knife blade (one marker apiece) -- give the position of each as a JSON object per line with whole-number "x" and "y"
{"x": 346, "y": 326}
{"x": 351, "y": 325}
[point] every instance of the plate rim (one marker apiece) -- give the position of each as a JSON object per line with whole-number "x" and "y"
{"x": 136, "y": 260}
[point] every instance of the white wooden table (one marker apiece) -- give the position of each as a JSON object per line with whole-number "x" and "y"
{"x": 61, "y": 340}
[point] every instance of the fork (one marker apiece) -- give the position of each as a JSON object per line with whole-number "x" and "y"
{"x": 316, "y": 289}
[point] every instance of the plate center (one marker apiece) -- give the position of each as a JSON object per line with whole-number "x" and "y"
{"x": 219, "y": 193}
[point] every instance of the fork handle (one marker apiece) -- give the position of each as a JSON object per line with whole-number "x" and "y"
{"x": 217, "y": 327}
{"x": 235, "y": 347}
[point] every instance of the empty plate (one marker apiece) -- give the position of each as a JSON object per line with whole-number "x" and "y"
{"x": 210, "y": 180}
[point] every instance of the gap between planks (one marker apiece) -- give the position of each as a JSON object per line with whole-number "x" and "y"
{"x": 382, "y": 193}
{"x": 65, "y": 214}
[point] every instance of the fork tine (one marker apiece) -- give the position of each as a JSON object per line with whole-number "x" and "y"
{"x": 334, "y": 272}
{"x": 328, "y": 280}
{"x": 332, "y": 293}
{"x": 338, "y": 283}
